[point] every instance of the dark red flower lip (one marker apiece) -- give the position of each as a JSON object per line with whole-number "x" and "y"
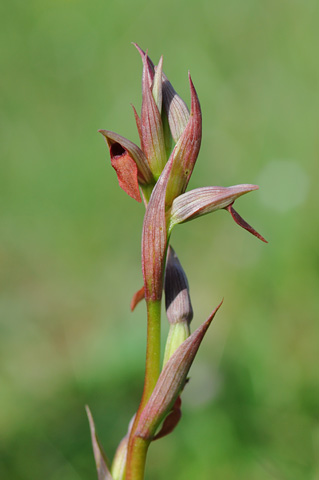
{"x": 129, "y": 162}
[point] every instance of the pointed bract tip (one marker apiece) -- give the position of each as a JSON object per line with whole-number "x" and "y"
{"x": 249, "y": 187}
{"x": 195, "y": 105}
{"x": 243, "y": 188}
{"x": 191, "y": 82}
{"x": 204, "y": 327}
{"x": 101, "y": 461}
{"x": 212, "y": 315}
{"x": 89, "y": 415}
{"x": 138, "y": 48}
{"x": 171, "y": 381}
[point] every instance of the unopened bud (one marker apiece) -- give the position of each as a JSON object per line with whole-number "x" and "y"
{"x": 178, "y": 304}
{"x": 178, "y": 333}
{"x": 176, "y": 110}
{"x": 177, "y": 299}
{"x": 170, "y": 382}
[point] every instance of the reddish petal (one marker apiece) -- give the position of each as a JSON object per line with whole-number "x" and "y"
{"x": 126, "y": 171}
{"x": 137, "y": 298}
{"x": 242, "y": 223}
{"x": 171, "y": 421}
{"x": 119, "y": 145}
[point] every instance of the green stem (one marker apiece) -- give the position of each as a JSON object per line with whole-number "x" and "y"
{"x": 137, "y": 453}
{"x": 137, "y": 447}
{"x": 153, "y": 350}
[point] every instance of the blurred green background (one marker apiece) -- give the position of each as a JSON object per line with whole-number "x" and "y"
{"x": 70, "y": 238}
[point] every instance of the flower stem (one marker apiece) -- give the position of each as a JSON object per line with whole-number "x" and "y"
{"x": 137, "y": 454}
{"x": 137, "y": 446}
{"x": 153, "y": 350}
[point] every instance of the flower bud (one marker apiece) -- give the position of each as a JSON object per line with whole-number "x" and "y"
{"x": 177, "y": 300}
{"x": 178, "y": 333}
{"x": 185, "y": 152}
{"x": 178, "y": 304}
{"x": 176, "y": 111}
{"x": 170, "y": 382}
{"x": 175, "y": 108}
{"x": 152, "y": 135}
{"x": 157, "y": 85}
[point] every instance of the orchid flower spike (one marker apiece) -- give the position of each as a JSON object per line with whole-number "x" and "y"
{"x": 164, "y": 117}
{"x": 158, "y": 171}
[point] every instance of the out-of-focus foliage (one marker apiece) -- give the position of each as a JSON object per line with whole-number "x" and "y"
{"x": 70, "y": 238}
